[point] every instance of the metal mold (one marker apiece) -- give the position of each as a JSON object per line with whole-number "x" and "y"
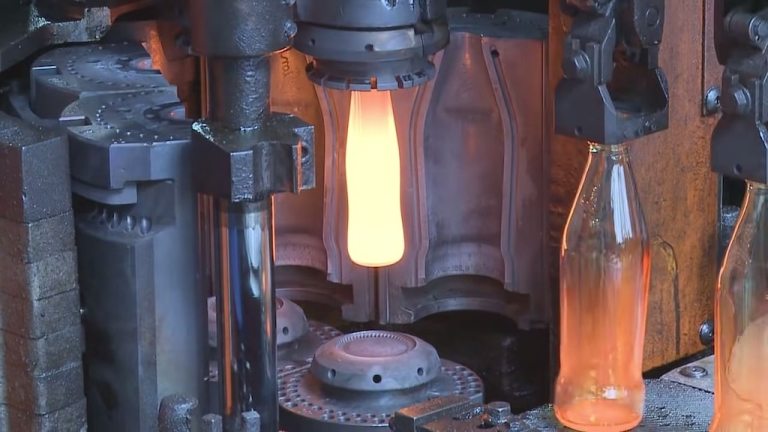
{"x": 472, "y": 135}
{"x": 309, "y": 403}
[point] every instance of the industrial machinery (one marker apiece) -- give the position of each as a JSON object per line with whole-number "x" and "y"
{"x": 343, "y": 215}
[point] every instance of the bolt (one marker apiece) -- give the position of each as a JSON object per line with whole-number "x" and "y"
{"x": 693, "y": 372}
{"x": 498, "y": 411}
{"x": 707, "y": 332}
{"x": 736, "y": 100}
{"x": 711, "y": 103}
{"x": 576, "y": 65}
{"x": 145, "y": 225}
{"x": 290, "y": 29}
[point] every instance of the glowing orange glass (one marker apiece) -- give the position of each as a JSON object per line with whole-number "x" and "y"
{"x": 375, "y": 235}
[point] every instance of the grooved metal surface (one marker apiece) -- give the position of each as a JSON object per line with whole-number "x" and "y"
{"x": 669, "y": 407}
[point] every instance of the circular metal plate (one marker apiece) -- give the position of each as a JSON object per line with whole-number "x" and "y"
{"x": 376, "y": 361}
{"x": 306, "y": 404}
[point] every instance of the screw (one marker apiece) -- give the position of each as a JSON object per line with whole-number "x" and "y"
{"x": 290, "y": 29}
{"x": 693, "y": 372}
{"x": 711, "y": 103}
{"x": 707, "y": 332}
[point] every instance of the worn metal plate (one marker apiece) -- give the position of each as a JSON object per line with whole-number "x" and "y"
{"x": 699, "y": 374}
{"x": 669, "y": 406}
{"x": 63, "y": 75}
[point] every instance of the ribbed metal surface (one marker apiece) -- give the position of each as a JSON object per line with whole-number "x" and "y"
{"x": 669, "y": 407}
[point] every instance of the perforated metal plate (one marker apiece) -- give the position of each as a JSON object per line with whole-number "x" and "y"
{"x": 298, "y": 354}
{"x": 308, "y": 405}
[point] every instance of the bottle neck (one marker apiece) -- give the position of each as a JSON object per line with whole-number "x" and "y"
{"x": 757, "y": 188}
{"x": 609, "y": 150}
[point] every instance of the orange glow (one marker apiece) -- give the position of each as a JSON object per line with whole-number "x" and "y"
{"x": 375, "y": 227}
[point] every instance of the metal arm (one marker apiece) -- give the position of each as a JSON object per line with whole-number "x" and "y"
{"x": 740, "y": 139}
{"x": 612, "y": 74}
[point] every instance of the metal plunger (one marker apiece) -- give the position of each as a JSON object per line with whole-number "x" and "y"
{"x": 244, "y": 154}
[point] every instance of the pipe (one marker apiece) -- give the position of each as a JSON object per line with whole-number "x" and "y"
{"x": 238, "y": 91}
{"x": 246, "y": 314}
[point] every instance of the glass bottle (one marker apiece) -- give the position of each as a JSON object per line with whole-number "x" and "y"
{"x": 741, "y": 322}
{"x": 604, "y": 277}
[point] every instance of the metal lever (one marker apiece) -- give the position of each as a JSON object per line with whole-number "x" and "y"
{"x": 740, "y": 139}
{"x": 613, "y": 90}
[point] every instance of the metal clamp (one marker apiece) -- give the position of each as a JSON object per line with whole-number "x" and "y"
{"x": 613, "y": 90}
{"x": 740, "y": 139}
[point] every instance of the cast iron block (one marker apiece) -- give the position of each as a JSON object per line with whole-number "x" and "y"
{"x": 36, "y": 241}
{"x": 118, "y": 139}
{"x": 44, "y": 355}
{"x": 69, "y": 419}
{"x": 34, "y": 168}
{"x": 45, "y": 393}
{"x": 251, "y": 164}
{"x": 44, "y": 278}
{"x": 35, "y": 319}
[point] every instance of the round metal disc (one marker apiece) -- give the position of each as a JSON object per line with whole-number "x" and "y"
{"x": 376, "y": 361}
{"x": 307, "y": 404}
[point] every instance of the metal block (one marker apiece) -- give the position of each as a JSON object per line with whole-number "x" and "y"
{"x": 35, "y": 241}
{"x": 46, "y": 393}
{"x": 45, "y": 278}
{"x": 36, "y": 319}
{"x": 69, "y": 419}
{"x": 63, "y": 75}
{"x": 44, "y": 355}
{"x": 255, "y": 163}
{"x": 119, "y": 139}
{"x": 34, "y": 164}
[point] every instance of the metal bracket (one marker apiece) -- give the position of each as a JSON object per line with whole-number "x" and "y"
{"x": 740, "y": 139}
{"x": 613, "y": 90}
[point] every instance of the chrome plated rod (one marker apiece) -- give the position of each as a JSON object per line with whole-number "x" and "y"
{"x": 246, "y": 314}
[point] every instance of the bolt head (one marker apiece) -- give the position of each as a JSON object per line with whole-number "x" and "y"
{"x": 576, "y": 65}
{"x": 693, "y": 372}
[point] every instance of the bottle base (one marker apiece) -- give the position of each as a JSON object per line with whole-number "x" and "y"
{"x": 598, "y": 416}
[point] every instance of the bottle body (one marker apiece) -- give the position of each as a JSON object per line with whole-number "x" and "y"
{"x": 604, "y": 278}
{"x": 741, "y": 322}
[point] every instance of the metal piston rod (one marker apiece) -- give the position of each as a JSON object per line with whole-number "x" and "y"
{"x": 244, "y": 154}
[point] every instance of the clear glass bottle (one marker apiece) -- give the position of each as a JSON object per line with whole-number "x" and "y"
{"x": 604, "y": 277}
{"x": 741, "y": 322}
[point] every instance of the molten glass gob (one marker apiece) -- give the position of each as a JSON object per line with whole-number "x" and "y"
{"x": 375, "y": 236}
{"x": 604, "y": 277}
{"x": 741, "y": 322}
